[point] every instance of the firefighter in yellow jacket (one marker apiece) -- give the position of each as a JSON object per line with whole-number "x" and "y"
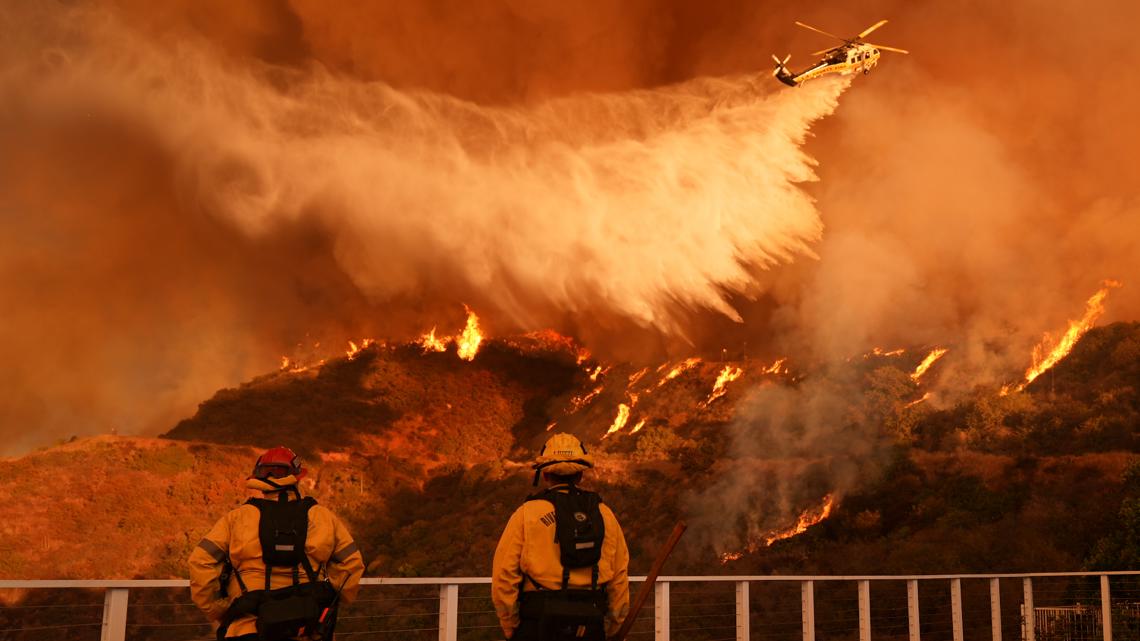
{"x": 271, "y": 586}
{"x": 561, "y": 569}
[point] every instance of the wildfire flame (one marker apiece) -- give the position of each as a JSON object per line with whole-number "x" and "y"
{"x": 933, "y": 356}
{"x": 805, "y": 520}
{"x": 598, "y": 371}
{"x": 681, "y": 368}
{"x": 726, "y": 376}
{"x": 578, "y": 402}
{"x": 636, "y": 376}
{"x": 354, "y": 349}
{"x": 469, "y": 340}
{"x": 1046, "y": 356}
{"x": 432, "y": 344}
{"x": 620, "y": 420}
{"x": 776, "y": 367}
{"x": 879, "y": 351}
{"x": 637, "y": 428}
{"x": 917, "y": 401}
{"x": 466, "y": 343}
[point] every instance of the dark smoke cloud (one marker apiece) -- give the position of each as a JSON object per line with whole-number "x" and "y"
{"x": 973, "y": 194}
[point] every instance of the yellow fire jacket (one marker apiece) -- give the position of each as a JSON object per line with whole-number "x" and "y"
{"x": 235, "y": 535}
{"x": 527, "y": 546}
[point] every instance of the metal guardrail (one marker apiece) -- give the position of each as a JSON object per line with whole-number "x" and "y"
{"x": 117, "y": 600}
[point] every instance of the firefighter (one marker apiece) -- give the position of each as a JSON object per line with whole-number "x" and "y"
{"x": 561, "y": 569}
{"x": 292, "y": 591}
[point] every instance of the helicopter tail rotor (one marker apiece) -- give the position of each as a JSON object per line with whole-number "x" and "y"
{"x": 780, "y": 64}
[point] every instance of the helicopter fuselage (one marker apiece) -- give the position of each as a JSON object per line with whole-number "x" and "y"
{"x": 843, "y": 60}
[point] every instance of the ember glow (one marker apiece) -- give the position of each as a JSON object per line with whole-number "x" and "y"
{"x": 930, "y": 359}
{"x": 726, "y": 376}
{"x": 1049, "y": 352}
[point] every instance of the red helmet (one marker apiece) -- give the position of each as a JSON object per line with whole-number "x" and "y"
{"x": 278, "y": 462}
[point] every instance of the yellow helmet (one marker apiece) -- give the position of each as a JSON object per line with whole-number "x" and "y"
{"x": 562, "y": 454}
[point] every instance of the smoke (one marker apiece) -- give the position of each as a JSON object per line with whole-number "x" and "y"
{"x": 632, "y": 204}
{"x": 189, "y": 190}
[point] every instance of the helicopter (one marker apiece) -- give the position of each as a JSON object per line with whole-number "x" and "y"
{"x": 851, "y": 56}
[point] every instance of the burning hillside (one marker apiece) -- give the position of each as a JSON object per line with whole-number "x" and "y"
{"x": 400, "y": 439}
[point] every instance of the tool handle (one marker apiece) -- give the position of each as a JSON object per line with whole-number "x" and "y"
{"x": 647, "y": 587}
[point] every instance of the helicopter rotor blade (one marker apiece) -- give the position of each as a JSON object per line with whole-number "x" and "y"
{"x": 823, "y": 51}
{"x": 886, "y": 48}
{"x": 811, "y": 28}
{"x": 871, "y": 28}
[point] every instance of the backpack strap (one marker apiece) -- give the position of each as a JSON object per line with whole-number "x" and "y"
{"x": 300, "y": 535}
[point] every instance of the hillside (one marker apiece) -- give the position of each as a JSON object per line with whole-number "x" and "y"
{"x": 424, "y": 455}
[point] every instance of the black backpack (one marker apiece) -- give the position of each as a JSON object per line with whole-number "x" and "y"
{"x": 285, "y": 612}
{"x": 579, "y": 531}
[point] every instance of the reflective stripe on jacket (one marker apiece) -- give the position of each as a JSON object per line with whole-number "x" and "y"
{"x": 527, "y": 546}
{"x": 327, "y": 543}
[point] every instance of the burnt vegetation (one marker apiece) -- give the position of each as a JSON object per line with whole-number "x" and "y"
{"x": 424, "y": 456}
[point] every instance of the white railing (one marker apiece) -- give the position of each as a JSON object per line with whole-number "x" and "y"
{"x": 744, "y": 614}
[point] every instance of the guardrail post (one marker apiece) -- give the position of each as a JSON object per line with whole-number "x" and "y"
{"x": 448, "y": 612}
{"x": 1028, "y": 629}
{"x": 995, "y": 608}
{"x": 115, "y": 614}
{"x": 743, "y": 609}
{"x": 1105, "y": 608}
{"x": 864, "y": 610}
{"x": 661, "y": 611}
{"x": 912, "y": 609}
{"x": 807, "y": 609}
{"x": 956, "y": 608}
